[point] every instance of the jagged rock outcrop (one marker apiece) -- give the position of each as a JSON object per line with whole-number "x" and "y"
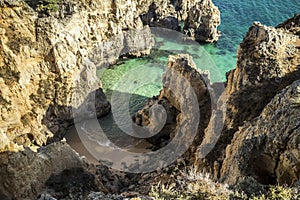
{"x": 161, "y": 13}
{"x": 202, "y": 22}
{"x": 24, "y": 174}
{"x": 181, "y": 83}
{"x": 292, "y": 25}
{"x": 268, "y": 61}
{"x": 45, "y": 59}
{"x": 201, "y": 18}
{"x": 267, "y": 147}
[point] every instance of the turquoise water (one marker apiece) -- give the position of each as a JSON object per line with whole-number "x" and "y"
{"x": 236, "y": 18}
{"x": 141, "y": 78}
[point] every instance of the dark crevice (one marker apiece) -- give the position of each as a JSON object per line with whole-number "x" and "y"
{"x": 291, "y": 134}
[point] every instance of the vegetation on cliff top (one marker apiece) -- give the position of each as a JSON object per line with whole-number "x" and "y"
{"x": 192, "y": 185}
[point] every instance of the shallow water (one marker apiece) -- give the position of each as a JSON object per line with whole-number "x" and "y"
{"x": 141, "y": 77}
{"x": 236, "y": 18}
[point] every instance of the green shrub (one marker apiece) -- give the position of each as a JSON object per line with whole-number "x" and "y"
{"x": 48, "y": 6}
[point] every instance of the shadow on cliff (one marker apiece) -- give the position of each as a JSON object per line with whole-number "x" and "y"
{"x": 250, "y": 102}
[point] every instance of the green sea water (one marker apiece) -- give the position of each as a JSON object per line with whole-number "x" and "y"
{"x": 141, "y": 78}
{"x": 218, "y": 58}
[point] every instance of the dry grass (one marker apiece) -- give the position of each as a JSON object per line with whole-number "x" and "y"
{"x": 192, "y": 185}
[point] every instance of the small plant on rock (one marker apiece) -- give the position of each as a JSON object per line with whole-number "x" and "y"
{"x": 48, "y": 6}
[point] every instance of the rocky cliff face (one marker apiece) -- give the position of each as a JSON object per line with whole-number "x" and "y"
{"x": 267, "y": 147}
{"x": 201, "y": 18}
{"x": 259, "y": 136}
{"x": 271, "y": 134}
{"x": 47, "y": 57}
{"x": 268, "y": 61}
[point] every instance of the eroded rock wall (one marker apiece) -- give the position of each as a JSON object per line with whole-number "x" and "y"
{"x": 186, "y": 99}
{"x": 271, "y": 155}
{"x": 202, "y": 22}
{"x": 267, "y": 147}
{"x": 45, "y": 59}
{"x": 200, "y": 18}
{"x": 268, "y": 61}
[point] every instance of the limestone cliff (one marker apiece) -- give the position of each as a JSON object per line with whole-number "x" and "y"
{"x": 267, "y": 147}
{"x": 44, "y": 59}
{"x": 47, "y": 56}
{"x": 183, "y": 113}
{"x": 202, "y": 22}
{"x": 201, "y": 18}
{"x": 268, "y": 61}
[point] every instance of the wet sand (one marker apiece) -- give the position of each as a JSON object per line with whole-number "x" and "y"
{"x": 78, "y": 143}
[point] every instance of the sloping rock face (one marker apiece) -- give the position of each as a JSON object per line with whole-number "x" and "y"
{"x": 202, "y": 22}
{"x": 267, "y": 147}
{"x": 46, "y": 59}
{"x": 292, "y": 25}
{"x": 24, "y": 175}
{"x": 181, "y": 78}
{"x": 268, "y": 61}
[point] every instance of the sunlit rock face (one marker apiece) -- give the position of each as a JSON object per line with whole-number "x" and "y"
{"x": 48, "y": 56}
{"x": 202, "y": 22}
{"x": 201, "y": 18}
{"x": 186, "y": 101}
{"x": 45, "y": 59}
